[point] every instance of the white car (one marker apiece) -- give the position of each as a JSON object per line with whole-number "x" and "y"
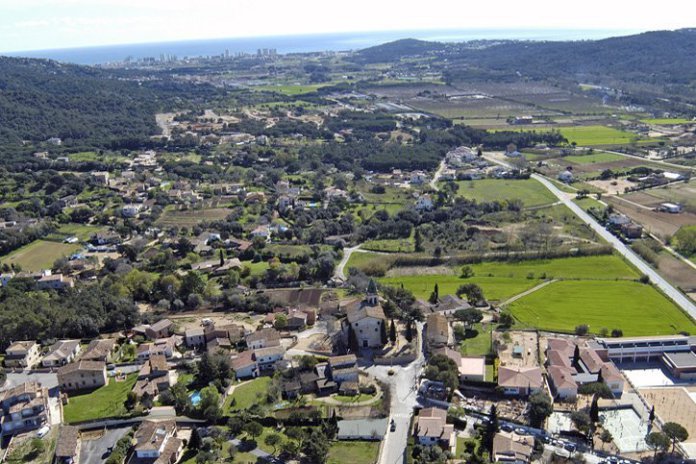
{"x": 43, "y": 431}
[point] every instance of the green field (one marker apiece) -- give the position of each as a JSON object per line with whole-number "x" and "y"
{"x": 353, "y": 452}
{"x": 531, "y": 192}
{"x": 635, "y": 308}
{"x": 82, "y": 231}
{"x": 596, "y": 135}
{"x": 480, "y": 344}
{"x": 248, "y": 394}
{"x": 107, "y": 401}
{"x": 405, "y": 245}
{"x": 40, "y": 254}
{"x": 666, "y": 121}
{"x": 292, "y": 89}
{"x": 502, "y": 280}
{"x": 191, "y": 217}
{"x": 600, "y": 157}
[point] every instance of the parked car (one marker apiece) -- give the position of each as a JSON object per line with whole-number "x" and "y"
{"x": 393, "y": 426}
{"x": 43, "y": 431}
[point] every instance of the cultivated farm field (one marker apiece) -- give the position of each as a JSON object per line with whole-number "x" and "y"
{"x": 635, "y": 308}
{"x": 191, "y": 217}
{"x": 40, "y": 254}
{"x": 597, "y": 135}
{"x": 531, "y": 192}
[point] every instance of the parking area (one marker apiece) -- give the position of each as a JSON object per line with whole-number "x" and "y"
{"x": 46, "y": 379}
{"x": 94, "y": 445}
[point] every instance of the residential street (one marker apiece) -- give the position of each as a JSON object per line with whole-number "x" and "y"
{"x": 404, "y": 388}
{"x": 655, "y": 278}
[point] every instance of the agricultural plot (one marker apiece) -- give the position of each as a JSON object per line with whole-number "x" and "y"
{"x": 40, "y": 254}
{"x": 635, "y": 308}
{"x": 82, "y": 231}
{"x": 191, "y": 217}
{"x": 599, "y": 157}
{"x": 597, "y": 135}
{"x": 667, "y": 121}
{"x": 531, "y": 192}
{"x": 470, "y": 106}
{"x": 640, "y": 209}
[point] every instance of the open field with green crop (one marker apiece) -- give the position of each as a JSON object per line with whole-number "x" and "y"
{"x": 635, "y": 308}
{"x": 599, "y": 157}
{"x": 82, "y": 231}
{"x": 191, "y": 217}
{"x": 106, "y": 401}
{"x": 597, "y": 135}
{"x": 354, "y": 452}
{"x": 292, "y": 89}
{"x": 531, "y": 192}
{"x": 40, "y": 254}
{"x": 666, "y": 121}
{"x": 502, "y": 280}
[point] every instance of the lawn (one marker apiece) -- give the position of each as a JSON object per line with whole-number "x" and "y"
{"x": 107, "y": 401}
{"x": 82, "y": 231}
{"x": 248, "y": 394}
{"x": 405, "y": 245}
{"x": 531, "y": 192}
{"x": 635, "y": 308}
{"x": 478, "y": 345}
{"x": 597, "y": 135}
{"x": 292, "y": 89}
{"x": 354, "y": 452}
{"x": 40, "y": 254}
{"x": 600, "y": 157}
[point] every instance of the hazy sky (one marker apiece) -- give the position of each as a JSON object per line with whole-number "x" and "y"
{"x": 44, "y": 24}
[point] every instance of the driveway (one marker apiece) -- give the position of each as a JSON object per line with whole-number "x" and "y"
{"x": 94, "y": 451}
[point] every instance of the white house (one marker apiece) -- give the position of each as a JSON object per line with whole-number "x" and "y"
{"x": 432, "y": 428}
{"x": 424, "y": 203}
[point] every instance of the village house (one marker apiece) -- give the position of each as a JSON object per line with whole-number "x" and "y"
{"x": 55, "y": 282}
{"x": 156, "y": 442}
{"x": 437, "y": 332}
{"x": 343, "y": 368}
{"x": 365, "y": 322}
{"x": 244, "y": 365}
{"x": 424, "y": 203}
{"x": 100, "y": 350}
{"x": 68, "y": 445}
{"x": 60, "y": 353}
{"x": 22, "y": 354}
{"x": 159, "y": 329}
{"x": 512, "y": 448}
{"x": 82, "y": 374}
{"x": 154, "y": 377}
{"x": 267, "y": 357}
{"x": 471, "y": 368}
{"x": 431, "y": 428}
{"x": 24, "y": 407}
{"x": 263, "y": 338}
{"x": 520, "y": 381}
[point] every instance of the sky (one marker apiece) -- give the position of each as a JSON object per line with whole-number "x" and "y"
{"x": 47, "y": 24}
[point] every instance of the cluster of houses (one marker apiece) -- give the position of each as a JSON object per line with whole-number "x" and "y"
{"x": 45, "y": 280}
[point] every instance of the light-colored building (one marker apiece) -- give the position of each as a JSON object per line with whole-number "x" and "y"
{"x": 55, "y": 282}
{"x": 82, "y": 375}
{"x": 267, "y": 357}
{"x": 157, "y": 440}
{"x": 512, "y": 448}
{"x": 62, "y": 352}
{"x": 431, "y": 428}
{"x": 263, "y": 339}
{"x": 22, "y": 354}
{"x": 100, "y": 350}
{"x": 24, "y": 407}
{"x": 366, "y": 320}
{"x": 244, "y": 365}
{"x": 520, "y": 381}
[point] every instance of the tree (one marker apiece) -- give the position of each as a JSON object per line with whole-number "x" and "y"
{"x": 576, "y": 355}
{"x": 417, "y": 241}
{"x": 605, "y": 437}
{"x": 307, "y": 362}
{"x": 582, "y": 329}
{"x": 222, "y": 257}
{"x": 435, "y": 295}
{"x": 581, "y": 420}
{"x": 3, "y": 375}
{"x": 657, "y": 441}
{"x": 195, "y": 441}
{"x": 469, "y": 316}
{"x": 273, "y": 439}
{"x": 236, "y": 425}
{"x": 209, "y": 406}
{"x": 540, "y": 407}
{"x": 651, "y": 418}
{"x": 492, "y": 427}
{"x": 131, "y": 400}
{"x": 254, "y": 429}
{"x": 599, "y": 389}
{"x": 594, "y": 410}
{"x": 281, "y": 321}
{"x": 675, "y": 432}
{"x": 474, "y": 293}
{"x": 392, "y": 334}
{"x": 383, "y": 332}
{"x": 290, "y": 447}
{"x": 316, "y": 447}
{"x": 506, "y": 320}
{"x": 467, "y": 272}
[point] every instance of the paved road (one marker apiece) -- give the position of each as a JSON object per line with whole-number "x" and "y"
{"x": 685, "y": 303}
{"x": 339, "y": 271}
{"x": 404, "y": 392}
{"x": 94, "y": 451}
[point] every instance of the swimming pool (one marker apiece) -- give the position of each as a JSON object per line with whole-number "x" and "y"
{"x": 195, "y": 398}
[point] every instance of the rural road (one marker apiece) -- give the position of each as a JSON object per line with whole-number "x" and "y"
{"x": 527, "y": 292}
{"x": 626, "y": 252}
{"x": 438, "y": 173}
{"x": 339, "y": 271}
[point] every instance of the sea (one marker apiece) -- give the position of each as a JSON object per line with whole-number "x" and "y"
{"x": 304, "y": 43}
